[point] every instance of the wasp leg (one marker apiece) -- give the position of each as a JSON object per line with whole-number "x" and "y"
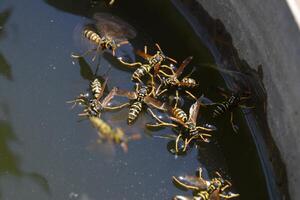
{"x": 161, "y": 92}
{"x": 234, "y": 127}
{"x": 229, "y": 196}
{"x": 76, "y": 101}
{"x": 201, "y": 128}
{"x": 84, "y": 54}
{"x": 200, "y": 173}
{"x": 84, "y": 114}
{"x": 160, "y": 122}
{"x": 204, "y": 137}
{"x": 225, "y": 187}
{"x": 176, "y": 144}
{"x": 116, "y": 107}
{"x": 111, "y": 2}
{"x": 165, "y": 74}
{"x": 152, "y": 85}
{"x": 191, "y": 95}
{"x": 129, "y": 64}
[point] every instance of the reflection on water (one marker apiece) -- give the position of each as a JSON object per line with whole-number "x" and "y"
{"x": 5, "y": 69}
{"x": 9, "y": 162}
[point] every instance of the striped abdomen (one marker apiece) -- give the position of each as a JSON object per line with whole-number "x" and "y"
{"x": 140, "y": 72}
{"x": 92, "y": 36}
{"x": 96, "y": 87}
{"x": 179, "y": 114}
{"x": 134, "y": 111}
{"x": 221, "y": 109}
{"x": 232, "y": 102}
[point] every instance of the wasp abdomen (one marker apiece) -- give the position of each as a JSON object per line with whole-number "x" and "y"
{"x": 221, "y": 109}
{"x": 140, "y": 72}
{"x": 92, "y": 36}
{"x": 96, "y": 87}
{"x": 134, "y": 111}
{"x": 179, "y": 114}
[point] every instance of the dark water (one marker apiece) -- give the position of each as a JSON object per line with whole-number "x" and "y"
{"x": 45, "y": 153}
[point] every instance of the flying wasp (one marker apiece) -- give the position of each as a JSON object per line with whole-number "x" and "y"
{"x": 114, "y": 136}
{"x": 169, "y": 80}
{"x": 153, "y": 62}
{"x": 107, "y": 33}
{"x": 139, "y": 98}
{"x": 188, "y": 122}
{"x": 213, "y": 189}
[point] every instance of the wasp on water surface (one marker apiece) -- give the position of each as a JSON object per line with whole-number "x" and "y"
{"x": 92, "y": 102}
{"x": 189, "y": 123}
{"x": 153, "y": 62}
{"x": 108, "y": 33}
{"x": 139, "y": 97}
{"x": 116, "y": 136}
{"x": 233, "y": 100}
{"x": 213, "y": 189}
{"x": 169, "y": 80}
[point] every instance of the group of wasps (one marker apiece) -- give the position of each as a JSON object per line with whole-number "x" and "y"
{"x": 156, "y": 78}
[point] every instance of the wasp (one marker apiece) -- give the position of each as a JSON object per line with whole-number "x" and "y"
{"x": 188, "y": 122}
{"x": 213, "y": 189}
{"x": 233, "y": 100}
{"x": 139, "y": 98}
{"x": 108, "y": 33}
{"x": 92, "y": 102}
{"x": 153, "y": 62}
{"x": 172, "y": 79}
{"x": 115, "y": 136}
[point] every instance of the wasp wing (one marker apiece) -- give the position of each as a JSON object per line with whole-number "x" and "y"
{"x": 143, "y": 54}
{"x": 215, "y": 195}
{"x": 191, "y": 182}
{"x": 155, "y": 103}
{"x": 124, "y": 93}
{"x": 194, "y": 111}
{"x": 113, "y": 26}
{"x": 183, "y": 65}
{"x": 109, "y": 97}
{"x": 103, "y": 88}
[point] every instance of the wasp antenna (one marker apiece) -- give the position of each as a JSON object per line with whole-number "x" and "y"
{"x": 171, "y": 59}
{"x": 157, "y": 45}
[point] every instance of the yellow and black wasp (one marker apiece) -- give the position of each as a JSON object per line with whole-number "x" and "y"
{"x": 153, "y": 62}
{"x": 93, "y": 103}
{"x": 213, "y": 189}
{"x": 139, "y": 97}
{"x": 191, "y": 131}
{"x": 233, "y": 100}
{"x": 172, "y": 80}
{"x": 108, "y": 32}
{"x": 113, "y": 136}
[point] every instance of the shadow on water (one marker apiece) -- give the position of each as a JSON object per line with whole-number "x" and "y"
{"x": 5, "y": 68}
{"x": 242, "y": 164}
{"x": 9, "y": 161}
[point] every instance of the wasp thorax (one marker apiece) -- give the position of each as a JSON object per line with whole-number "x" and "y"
{"x": 172, "y": 81}
{"x": 143, "y": 91}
